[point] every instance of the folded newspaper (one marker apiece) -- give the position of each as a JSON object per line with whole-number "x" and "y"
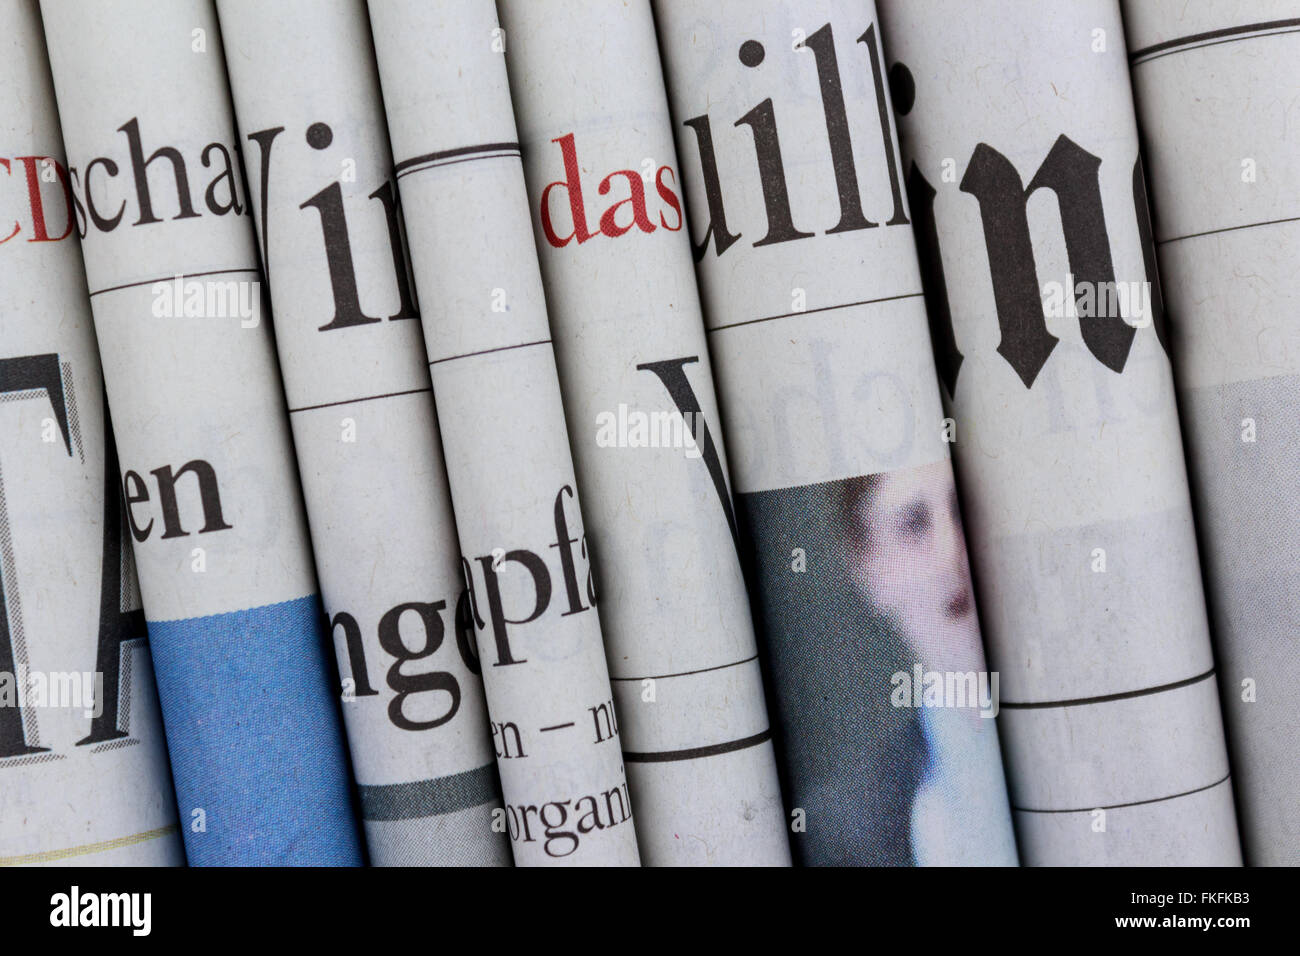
{"x": 1214, "y": 85}
{"x": 1021, "y": 154}
{"x": 664, "y": 432}
{"x": 212, "y": 496}
{"x": 361, "y": 406}
{"x": 83, "y": 765}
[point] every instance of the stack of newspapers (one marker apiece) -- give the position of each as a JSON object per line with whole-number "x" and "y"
{"x": 654, "y": 432}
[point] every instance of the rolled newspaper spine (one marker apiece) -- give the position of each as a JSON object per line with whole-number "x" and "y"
{"x": 554, "y": 727}
{"x": 817, "y": 324}
{"x": 634, "y": 364}
{"x": 1214, "y": 87}
{"x": 361, "y": 406}
{"x": 1021, "y": 152}
{"x": 209, "y": 481}
{"x": 83, "y": 762}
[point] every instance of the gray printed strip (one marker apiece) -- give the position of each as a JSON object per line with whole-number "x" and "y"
{"x": 428, "y": 798}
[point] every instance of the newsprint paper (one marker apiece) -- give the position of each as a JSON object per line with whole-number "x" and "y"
{"x": 1021, "y": 156}
{"x": 606, "y": 201}
{"x": 554, "y": 728}
{"x": 817, "y": 323}
{"x": 352, "y": 356}
{"x": 1216, "y": 85}
{"x": 208, "y": 475}
{"x": 83, "y": 763}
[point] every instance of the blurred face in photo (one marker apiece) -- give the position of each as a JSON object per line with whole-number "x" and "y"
{"x": 908, "y": 555}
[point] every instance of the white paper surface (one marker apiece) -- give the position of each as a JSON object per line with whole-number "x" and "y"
{"x": 1019, "y": 118}
{"x": 83, "y": 767}
{"x": 360, "y": 403}
{"x": 211, "y": 487}
{"x": 834, "y": 421}
{"x": 128, "y": 268}
{"x": 629, "y": 339}
{"x": 554, "y": 729}
{"x": 1214, "y": 84}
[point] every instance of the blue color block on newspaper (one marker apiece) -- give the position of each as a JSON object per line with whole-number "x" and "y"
{"x": 255, "y": 739}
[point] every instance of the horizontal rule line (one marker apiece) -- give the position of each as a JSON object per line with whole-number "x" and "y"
{"x": 453, "y": 162}
{"x": 172, "y": 278}
{"x": 364, "y": 398}
{"x": 1215, "y": 232}
{"x": 459, "y": 154}
{"x": 502, "y": 348}
{"x": 666, "y": 756}
{"x": 702, "y": 670}
{"x": 825, "y": 308}
{"x": 1104, "y": 698}
{"x": 1133, "y": 803}
{"x": 1213, "y": 37}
